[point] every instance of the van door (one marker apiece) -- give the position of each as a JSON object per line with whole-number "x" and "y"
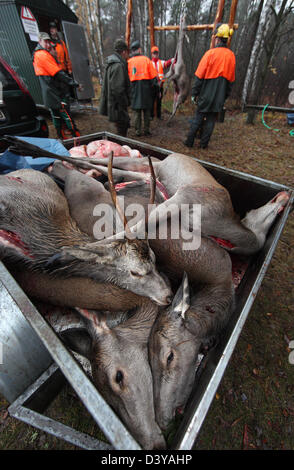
{"x": 78, "y": 53}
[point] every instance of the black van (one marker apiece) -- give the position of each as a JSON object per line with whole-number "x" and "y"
{"x": 18, "y": 112}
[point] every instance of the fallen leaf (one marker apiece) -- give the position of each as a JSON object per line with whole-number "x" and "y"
{"x": 236, "y": 421}
{"x": 4, "y": 415}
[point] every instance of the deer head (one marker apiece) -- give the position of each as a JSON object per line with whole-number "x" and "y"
{"x": 37, "y": 230}
{"x": 120, "y": 369}
{"x": 172, "y": 353}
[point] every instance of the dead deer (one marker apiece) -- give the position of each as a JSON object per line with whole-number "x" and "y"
{"x": 120, "y": 367}
{"x": 177, "y": 72}
{"x": 188, "y": 182}
{"x": 36, "y": 229}
{"x": 193, "y": 321}
{"x": 180, "y": 330}
{"x": 73, "y": 292}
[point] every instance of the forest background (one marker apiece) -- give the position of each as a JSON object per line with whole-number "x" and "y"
{"x": 263, "y": 43}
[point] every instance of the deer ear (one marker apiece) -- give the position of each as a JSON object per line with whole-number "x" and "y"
{"x": 95, "y": 323}
{"x": 181, "y": 301}
{"x": 89, "y": 252}
{"x": 78, "y": 340}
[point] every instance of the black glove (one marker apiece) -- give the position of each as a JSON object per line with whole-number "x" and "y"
{"x": 65, "y": 78}
{"x": 74, "y": 83}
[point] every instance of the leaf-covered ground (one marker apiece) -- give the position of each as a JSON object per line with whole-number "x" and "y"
{"x": 254, "y": 405}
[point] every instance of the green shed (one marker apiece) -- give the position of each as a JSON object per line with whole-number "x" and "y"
{"x": 20, "y": 21}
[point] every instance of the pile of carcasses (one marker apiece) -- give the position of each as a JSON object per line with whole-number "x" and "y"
{"x": 148, "y": 306}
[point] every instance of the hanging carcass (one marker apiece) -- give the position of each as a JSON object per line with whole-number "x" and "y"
{"x": 177, "y": 72}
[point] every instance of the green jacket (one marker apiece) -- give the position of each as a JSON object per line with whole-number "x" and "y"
{"x": 115, "y": 94}
{"x": 218, "y": 64}
{"x": 212, "y": 93}
{"x": 143, "y": 92}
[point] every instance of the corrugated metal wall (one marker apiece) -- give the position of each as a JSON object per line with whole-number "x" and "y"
{"x": 14, "y": 48}
{"x": 52, "y": 8}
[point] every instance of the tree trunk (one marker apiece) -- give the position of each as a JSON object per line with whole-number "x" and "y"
{"x": 268, "y": 43}
{"x": 99, "y": 36}
{"x": 252, "y": 61}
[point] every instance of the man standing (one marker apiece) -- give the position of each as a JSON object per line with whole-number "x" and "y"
{"x": 55, "y": 86}
{"x": 143, "y": 77}
{"x": 61, "y": 51}
{"x": 159, "y": 65}
{"x": 214, "y": 77}
{"x": 115, "y": 94}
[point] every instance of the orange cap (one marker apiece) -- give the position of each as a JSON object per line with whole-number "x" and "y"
{"x": 154, "y": 49}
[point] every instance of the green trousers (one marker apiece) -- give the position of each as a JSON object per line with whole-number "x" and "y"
{"x": 61, "y": 116}
{"x": 138, "y": 120}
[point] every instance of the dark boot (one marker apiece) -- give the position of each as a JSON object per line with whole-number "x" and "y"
{"x": 138, "y": 122}
{"x": 189, "y": 142}
{"x": 196, "y": 123}
{"x": 121, "y": 129}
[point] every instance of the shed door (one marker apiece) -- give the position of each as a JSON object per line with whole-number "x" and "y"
{"x": 78, "y": 53}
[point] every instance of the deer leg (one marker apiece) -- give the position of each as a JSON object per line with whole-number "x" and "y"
{"x": 260, "y": 220}
{"x": 175, "y": 107}
{"x": 218, "y": 219}
{"x": 248, "y": 235}
{"x": 131, "y": 164}
{"x": 211, "y": 307}
{"x": 121, "y": 174}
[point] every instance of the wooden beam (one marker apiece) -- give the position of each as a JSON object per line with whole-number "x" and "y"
{"x": 218, "y": 19}
{"x": 128, "y": 22}
{"x": 151, "y": 22}
{"x": 269, "y": 108}
{"x": 192, "y": 27}
{"x": 232, "y": 17}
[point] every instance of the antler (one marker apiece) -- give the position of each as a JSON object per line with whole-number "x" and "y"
{"x": 152, "y": 191}
{"x": 152, "y": 181}
{"x": 114, "y": 199}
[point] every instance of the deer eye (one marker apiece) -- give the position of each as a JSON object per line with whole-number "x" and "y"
{"x": 170, "y": 358}
{"x": 119, "y": 377}
{"x": 133, "y": 273}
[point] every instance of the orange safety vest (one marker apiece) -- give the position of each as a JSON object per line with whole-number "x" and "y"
{"x": 159, "y": 69}
{"x": 140, "y": 68}
{"x": 62, "y": 56}
{"x": 45, "y": 64}
{"x": 217, "y": 62}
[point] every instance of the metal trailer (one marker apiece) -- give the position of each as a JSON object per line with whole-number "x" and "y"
{"x": 35, "y": 363}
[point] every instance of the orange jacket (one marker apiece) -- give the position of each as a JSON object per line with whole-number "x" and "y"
{"x": 62, "y": 56}
{"x": 140, "y": 67}
{"x": 160, "y": 65}
{"x": 45, "y": 64}
{"x": 217, "y": 62}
